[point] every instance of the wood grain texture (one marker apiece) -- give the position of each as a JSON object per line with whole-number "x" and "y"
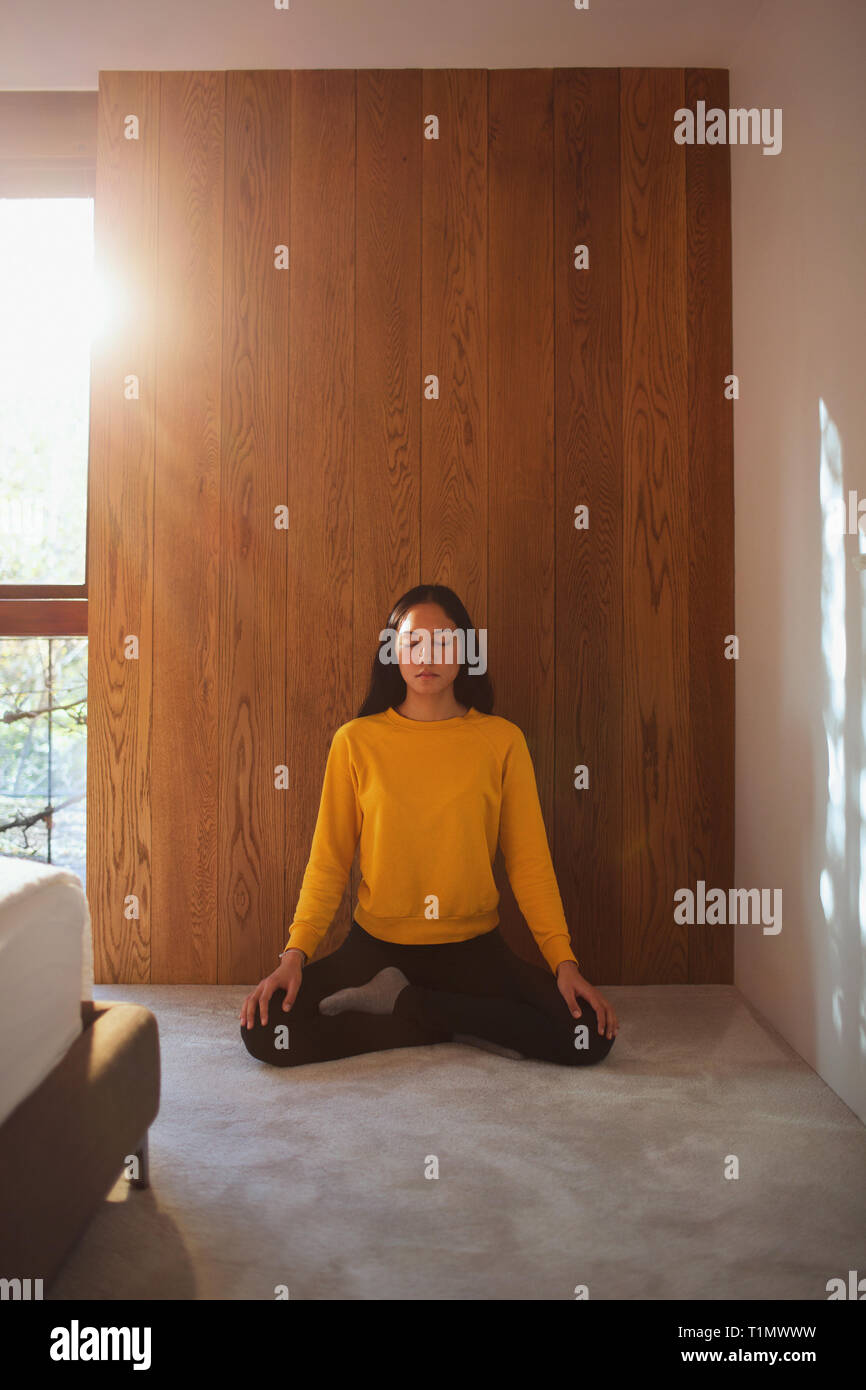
{"x": 521, "y": 566}
{"x": 186, "y": 645}
{"x": 454, "y": 522}
{"x": 304, "y": 387}
{"x": 711, "y": 528}
{"x": 120, "y": 532}
{"x": 317, "y": 629}
{"x": 253, "y": 553}
{"x": 655, "y": 528}
{"x": 589, "y": 473}
{"x": 386, "y": 538}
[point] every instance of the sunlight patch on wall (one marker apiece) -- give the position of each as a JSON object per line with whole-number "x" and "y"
{"x": 842, "y": 886}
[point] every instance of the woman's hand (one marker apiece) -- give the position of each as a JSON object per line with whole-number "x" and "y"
{"x": 287, "y": 976}
{"x": 572, "y": 987}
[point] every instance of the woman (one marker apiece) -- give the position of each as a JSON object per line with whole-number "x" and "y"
{"x": 429, "y": 779}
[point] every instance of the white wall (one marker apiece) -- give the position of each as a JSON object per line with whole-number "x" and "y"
{"x": 55, "y": 44}
{"x": 799, "y": 238}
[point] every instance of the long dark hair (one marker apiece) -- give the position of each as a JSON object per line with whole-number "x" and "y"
{"x": 387, "y": 686}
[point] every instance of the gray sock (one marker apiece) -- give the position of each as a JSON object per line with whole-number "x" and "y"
{"x": 378, "y": 996}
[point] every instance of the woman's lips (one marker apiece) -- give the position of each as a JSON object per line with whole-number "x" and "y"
{"x": 427, "y": 676}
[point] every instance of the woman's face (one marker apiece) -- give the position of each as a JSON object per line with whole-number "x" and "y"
{"x": 427, "y": 664}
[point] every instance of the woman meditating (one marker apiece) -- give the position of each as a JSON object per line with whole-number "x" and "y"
{"x": 429, "y": 779}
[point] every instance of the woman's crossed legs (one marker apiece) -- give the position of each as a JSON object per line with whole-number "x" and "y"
{"x": 477, "y": 988}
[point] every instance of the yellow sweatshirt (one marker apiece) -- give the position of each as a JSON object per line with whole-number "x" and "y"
{"x": 428, "y": 800}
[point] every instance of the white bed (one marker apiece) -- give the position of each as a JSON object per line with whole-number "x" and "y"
{"x": 46, "y": 969}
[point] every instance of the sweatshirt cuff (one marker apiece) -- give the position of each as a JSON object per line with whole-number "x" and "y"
{"x": 556, "y": 951}
{"x": 306, "y": 939}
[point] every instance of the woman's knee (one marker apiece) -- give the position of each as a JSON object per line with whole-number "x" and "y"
{"x": 270, "y": 1042}
{"x": 586, "y": 1045}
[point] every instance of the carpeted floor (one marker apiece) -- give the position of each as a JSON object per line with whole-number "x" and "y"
{"x": 610, "y": 1176}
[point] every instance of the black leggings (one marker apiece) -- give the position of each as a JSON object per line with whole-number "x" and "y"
{"x": 475, "y": 989}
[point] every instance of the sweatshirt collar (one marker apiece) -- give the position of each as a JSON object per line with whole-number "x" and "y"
{"x": 430, "y": 725}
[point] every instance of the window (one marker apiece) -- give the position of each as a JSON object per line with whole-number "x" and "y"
{"x": 46, "y": 272}
{"x": 47, "y": 175}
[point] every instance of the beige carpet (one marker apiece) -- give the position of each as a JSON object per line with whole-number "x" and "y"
{"x": 610, "y": 1176}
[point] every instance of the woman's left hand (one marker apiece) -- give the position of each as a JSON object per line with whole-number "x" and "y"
{"x": 573, "y": 987}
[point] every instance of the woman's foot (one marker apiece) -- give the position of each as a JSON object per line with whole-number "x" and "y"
{"x": 378, "y": 996}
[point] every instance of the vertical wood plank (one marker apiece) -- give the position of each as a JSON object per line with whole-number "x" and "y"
{"x": 711, "y": 527}
{"x": 521, "y": 564}
{"x": 589, "y": 473}
{"x": 656, "y": 741}
{"x": 253, "y": 553}
{"x": 387, "y": 556}
{"x": 120, "y": 530}
{"x": 318, "y": 620}
{"x": 387, "y": 487}
{"x": 185, "y": 750}
{"x": 454, "y": 338}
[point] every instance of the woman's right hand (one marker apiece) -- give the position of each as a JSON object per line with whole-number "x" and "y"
{"x": 287, "y": 976}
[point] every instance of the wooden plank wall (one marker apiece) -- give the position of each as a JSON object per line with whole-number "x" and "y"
{"x": 186, "y": 756}
{"x": 281, "y": 479}
{"x": 655, "y": 660}
{"x": 120, "y": 531}
{"x": 589, "y": 472}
